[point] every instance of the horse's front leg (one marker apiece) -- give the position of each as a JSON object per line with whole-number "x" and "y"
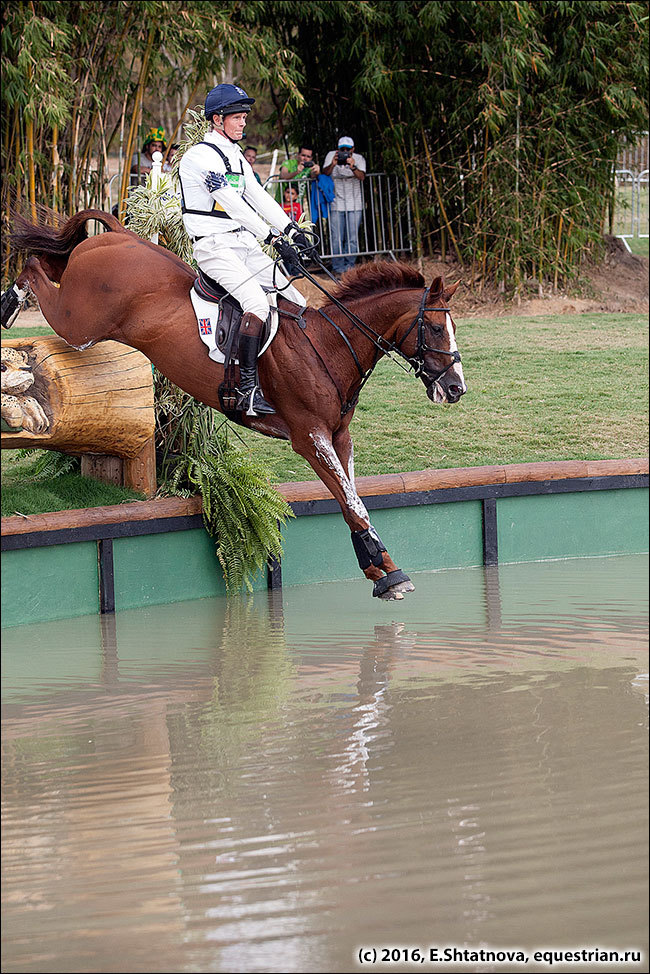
{"x": 342, "y": 442}
{"x": 318, "y": 448}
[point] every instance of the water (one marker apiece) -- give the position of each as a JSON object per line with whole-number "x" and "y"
{"x": 272, "y": 785}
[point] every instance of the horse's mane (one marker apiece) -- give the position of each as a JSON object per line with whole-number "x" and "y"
{"x": 381, "y": 275}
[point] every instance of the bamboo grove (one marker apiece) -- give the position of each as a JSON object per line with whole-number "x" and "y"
{"x": 503, "y": 118}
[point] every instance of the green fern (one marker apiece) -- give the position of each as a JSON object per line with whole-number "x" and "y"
{"x": 49, "y": 464}
{"x": 241, "y": 509}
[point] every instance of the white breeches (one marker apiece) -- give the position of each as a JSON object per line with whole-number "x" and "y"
{"x": 232, "y": 258}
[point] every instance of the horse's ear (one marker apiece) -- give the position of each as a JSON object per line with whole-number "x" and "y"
{"x": 450, "y": 291}
{"x": 436, "y": 288}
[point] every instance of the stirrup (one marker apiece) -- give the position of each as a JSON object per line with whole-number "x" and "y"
{"x": 253, "y": 402}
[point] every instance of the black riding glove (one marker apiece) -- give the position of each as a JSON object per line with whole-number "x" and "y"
{"x": 298, "y": 237}
{"x": 289, "y": 255}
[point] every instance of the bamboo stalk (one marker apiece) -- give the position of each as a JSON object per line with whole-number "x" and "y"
{"x": 31, "y": 173}
{"x": 126, "y": 168}
{"x": 181, "y": 117}
{"x": 441, "y": 204}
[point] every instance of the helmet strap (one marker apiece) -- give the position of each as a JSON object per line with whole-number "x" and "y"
{"x": 222, "y": 128}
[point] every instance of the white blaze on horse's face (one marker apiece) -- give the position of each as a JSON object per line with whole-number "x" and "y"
{"x": 453, "y": 380}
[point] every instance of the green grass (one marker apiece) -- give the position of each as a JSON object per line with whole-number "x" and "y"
{"x": 539, "y": 388}
{"x": 638, "y": 246}
{"x": 21, "y": 493}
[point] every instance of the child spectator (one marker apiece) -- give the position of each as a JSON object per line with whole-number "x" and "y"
{"x": 291, "y": 204}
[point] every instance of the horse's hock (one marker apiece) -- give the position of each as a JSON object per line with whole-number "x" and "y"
{"x": 97, "y": 402}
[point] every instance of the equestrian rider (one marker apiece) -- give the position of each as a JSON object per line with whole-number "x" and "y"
{"x": 226, "y": 212}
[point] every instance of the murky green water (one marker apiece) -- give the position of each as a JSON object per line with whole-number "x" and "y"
{"x": 272, "y": 785}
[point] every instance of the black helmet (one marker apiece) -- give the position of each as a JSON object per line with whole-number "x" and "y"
{"x": 227, "y": 100}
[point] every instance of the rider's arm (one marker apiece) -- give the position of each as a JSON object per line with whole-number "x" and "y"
{"x": 263, "y": 203}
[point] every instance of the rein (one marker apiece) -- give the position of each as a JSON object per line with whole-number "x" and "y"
{"x": 415, "y": 363}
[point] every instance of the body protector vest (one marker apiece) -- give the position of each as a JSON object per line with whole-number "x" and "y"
{"x": 236, "y": 180}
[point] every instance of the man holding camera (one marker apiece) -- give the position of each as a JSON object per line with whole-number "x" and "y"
{"x": 348, "y": 170}
{"x": 302, "y": 168}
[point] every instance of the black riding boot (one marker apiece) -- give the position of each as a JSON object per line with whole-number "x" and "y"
{"x": 249, "y": 394}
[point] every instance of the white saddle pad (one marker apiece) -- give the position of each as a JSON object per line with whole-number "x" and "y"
{"x": 207, "y": 315}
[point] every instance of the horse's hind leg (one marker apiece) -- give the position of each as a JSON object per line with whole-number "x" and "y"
{"x": 49, "y": 298}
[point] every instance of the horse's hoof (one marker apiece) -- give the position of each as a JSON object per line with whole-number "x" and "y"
{"x": 394, "y": 582}
{"x": 403, "y": 587}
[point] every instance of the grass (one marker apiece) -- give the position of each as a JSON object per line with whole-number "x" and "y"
{"x": 539, "y": 388}
{"x": 638, "y": 246}
{"x": 558, "y": 387}
{"x": 23, "y": 494}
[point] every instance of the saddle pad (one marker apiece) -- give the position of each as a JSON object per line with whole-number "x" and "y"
{"x": 207, "y": 317}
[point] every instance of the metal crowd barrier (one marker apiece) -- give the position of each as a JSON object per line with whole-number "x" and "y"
{"x": 632, "y": 209}
{"x": 385, "y": 226}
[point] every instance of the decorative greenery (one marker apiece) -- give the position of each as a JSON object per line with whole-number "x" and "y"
{"x": 241, "y": 509}
{"x": 48, "y": 464}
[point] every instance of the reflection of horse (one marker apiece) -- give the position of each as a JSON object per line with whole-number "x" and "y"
{"x": 117, "y": 286}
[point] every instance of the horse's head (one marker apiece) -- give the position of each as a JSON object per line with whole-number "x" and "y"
{"x": 429, "y": 341}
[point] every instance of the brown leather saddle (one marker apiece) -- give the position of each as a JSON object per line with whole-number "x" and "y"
{"x": 229, "y": 315}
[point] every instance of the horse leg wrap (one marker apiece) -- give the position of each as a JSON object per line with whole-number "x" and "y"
{"x": 368, "y": 548}
{"x": 12, "y": 300}
{"x": 383, "y": 584}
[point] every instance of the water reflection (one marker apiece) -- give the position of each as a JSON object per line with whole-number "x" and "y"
{"x": 263, "y": 785}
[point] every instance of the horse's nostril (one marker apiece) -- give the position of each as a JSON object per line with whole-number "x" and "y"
{"x": 455, "y": 392}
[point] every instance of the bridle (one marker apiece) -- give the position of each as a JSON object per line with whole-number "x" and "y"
{"x": 417, "y": 361}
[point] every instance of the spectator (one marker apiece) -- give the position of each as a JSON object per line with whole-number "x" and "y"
{"x": 348, "y": 170}
{"x": 303, "y": 167}
{"x": 173, "y": 149}
{"x": 154, "y": 142}
{"x": 250, "y": 155}
{"x": 291, "y": 204}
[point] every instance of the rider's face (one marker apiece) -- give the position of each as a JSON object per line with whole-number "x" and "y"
{"x": 234, "y": 125}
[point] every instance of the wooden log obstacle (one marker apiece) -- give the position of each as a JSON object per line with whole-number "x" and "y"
{"x": 96, "y": 402}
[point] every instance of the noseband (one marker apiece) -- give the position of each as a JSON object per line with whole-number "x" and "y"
{"x": 417, "y": 361}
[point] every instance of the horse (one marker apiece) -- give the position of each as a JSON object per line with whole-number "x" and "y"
{"x": 117, "y": 286}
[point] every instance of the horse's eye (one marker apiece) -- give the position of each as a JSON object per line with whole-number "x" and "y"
{"x": 437, "y": 329}
{"x": 4, "y": 367}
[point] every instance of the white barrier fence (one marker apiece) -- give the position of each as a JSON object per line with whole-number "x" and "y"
{"x": 632, "y": 209}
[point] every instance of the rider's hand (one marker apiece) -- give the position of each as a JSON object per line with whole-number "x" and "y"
{"x": 289, "y": 255}
{"x": 298, "y": 237}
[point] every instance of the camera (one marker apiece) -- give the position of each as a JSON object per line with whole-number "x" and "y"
{"x": 342, "y": 156}
{"x": 308, "y": 165}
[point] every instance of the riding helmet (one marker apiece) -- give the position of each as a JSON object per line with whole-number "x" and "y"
{"x": 227, "y": 100}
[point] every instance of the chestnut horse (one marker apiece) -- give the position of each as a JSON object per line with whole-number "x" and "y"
{"x": 117, "y": 286}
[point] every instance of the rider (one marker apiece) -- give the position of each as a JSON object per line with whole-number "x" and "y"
{"x": 226, "y": 212}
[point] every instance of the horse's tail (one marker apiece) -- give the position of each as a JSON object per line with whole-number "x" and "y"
{"x": 59, "y": 242}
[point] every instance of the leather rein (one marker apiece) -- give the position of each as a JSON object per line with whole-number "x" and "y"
{"x": 415, "y": 363}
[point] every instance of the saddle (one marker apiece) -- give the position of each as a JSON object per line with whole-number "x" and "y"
{"x": 226, "y": 335}
{"x": 229, "y": 315}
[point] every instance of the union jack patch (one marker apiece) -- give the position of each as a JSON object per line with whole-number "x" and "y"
{"x": 205, "y": 326}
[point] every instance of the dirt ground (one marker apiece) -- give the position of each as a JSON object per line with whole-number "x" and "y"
{"x": 618, "y": 284}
